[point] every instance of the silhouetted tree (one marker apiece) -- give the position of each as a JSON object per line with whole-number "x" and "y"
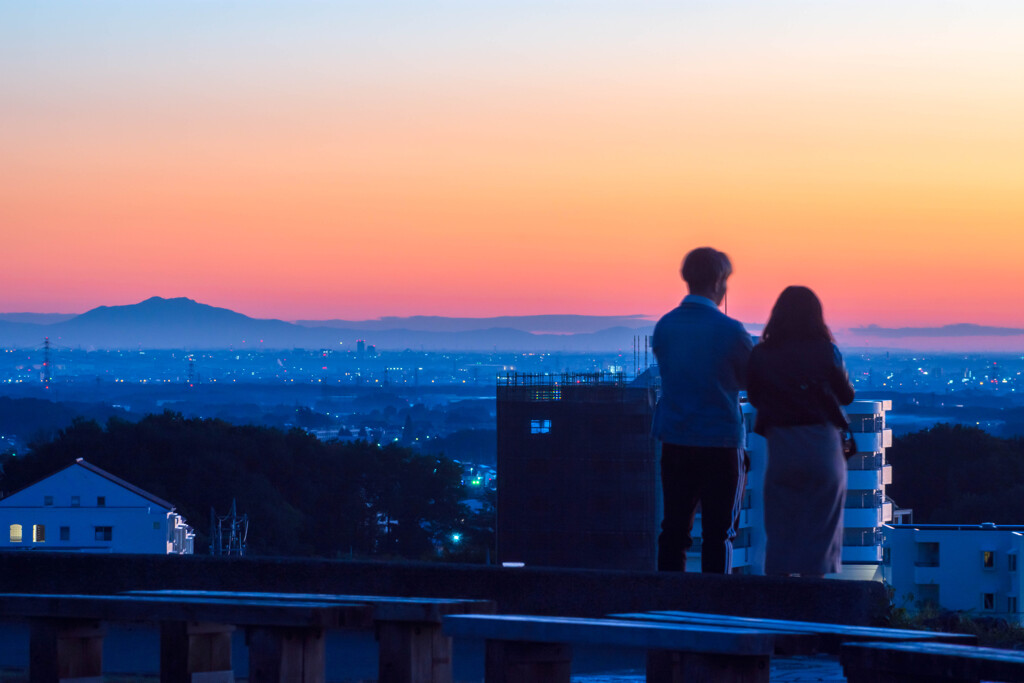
{"x": 953, "y": 474}
{"x": 303, "y": 497}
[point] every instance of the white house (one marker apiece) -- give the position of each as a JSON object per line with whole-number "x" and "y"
{"x": 970, "y": 567}
{"x": 83, "y": 508}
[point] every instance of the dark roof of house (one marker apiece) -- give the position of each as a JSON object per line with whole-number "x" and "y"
{"x": 80, "y": 462}
{"x": 121, "y": 482}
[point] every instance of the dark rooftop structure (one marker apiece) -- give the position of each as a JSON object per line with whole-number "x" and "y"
{"x": 576, "y": 471}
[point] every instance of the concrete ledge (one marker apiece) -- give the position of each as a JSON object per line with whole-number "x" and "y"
{"x": 526, "y": 590}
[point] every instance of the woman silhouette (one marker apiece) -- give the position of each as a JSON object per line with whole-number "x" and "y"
{"x": 796, "y": 379}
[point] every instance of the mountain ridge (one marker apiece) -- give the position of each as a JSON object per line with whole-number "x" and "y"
{"x": 182, "y": 323}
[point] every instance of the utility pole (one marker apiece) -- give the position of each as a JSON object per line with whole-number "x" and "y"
{"x": 47, "y": 377}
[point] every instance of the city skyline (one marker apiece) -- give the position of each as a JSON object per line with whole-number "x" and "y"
{"x": 318, "y": 161}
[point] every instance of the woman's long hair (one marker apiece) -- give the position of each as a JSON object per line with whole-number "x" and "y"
{"x": 796, "y": 316}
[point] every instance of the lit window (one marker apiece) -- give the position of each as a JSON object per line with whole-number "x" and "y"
{"x": 988, "y": 559}
{"x": 101, "y": 501}
{"x": 65, "y": 533}
{"x": 47, "y": 500}
{"x": 38, "y": 533}
{"x": 76, "y": 501}
{"x": 540, "y": 426}
{"x": 988, "y": 601}
{"x": 104, "y": 533}
{"x": 15, "y": 533}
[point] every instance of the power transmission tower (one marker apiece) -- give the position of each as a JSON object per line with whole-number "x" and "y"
{"x": 228, "y": 534}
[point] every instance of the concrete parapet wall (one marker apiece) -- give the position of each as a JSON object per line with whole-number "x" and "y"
{"x": 563, "y": 592}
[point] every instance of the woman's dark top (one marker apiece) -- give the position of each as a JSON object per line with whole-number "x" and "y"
{"x": 798, "y": 383}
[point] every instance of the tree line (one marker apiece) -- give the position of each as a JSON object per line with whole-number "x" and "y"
{"x": 956, "y": 474}
{"x": 303, "y": 497}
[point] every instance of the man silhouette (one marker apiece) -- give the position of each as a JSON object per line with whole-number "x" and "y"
{"x": 702, "y": 357}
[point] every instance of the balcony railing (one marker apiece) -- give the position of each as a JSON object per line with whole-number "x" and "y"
{"x": 861, "y": 425}
{"x": 861, "y": 539}
{"x": 865, "y": 480}
{"x": 865, "y": 461}
{"x": 862, "y": 518}
{"x": 872, "y": 499}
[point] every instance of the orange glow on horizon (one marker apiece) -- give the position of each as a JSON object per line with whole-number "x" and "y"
{"x": 539, "y": 171}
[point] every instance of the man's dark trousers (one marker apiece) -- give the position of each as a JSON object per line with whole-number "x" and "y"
{"x": 712, "y": 477}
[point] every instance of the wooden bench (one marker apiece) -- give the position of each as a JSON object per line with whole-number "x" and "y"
{"x": 539, "y": 649}
{"x": 286, "y": 639}
{"x": 827, "y": 638}
{"x": 928, "y": 663}
{"x": 412, "y": 648}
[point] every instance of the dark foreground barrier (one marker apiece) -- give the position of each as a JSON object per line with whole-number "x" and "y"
{"x": 285, "y": 633}
{"x": 534, "y": 648}
{"x": 525, "y": 590}
{"x": 929, "y": 663}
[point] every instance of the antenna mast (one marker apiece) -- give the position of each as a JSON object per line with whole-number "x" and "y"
{"x": 47, "y": 377}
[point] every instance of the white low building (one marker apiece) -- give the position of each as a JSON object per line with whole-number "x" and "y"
{"x": 83, "y": 508}
{"x": 958, "y": 567}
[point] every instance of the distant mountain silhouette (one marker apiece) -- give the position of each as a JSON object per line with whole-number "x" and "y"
{"x": 36, "y": 318}
{"x": 170, "y": 323}
{"x": 182, "y": 323}
{"x": 957, "y": 330}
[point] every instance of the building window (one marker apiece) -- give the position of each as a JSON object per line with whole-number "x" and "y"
{"x": 1011, "y": 605}
{"x": 101, "y": 501}
{"x": 887, "y": 556}
{"x": 927, "y": 555}
{"x": 988, "y": 601}
{"x": 15, "y": 533}
{"x": 65, "y": 533}
{"x": 540, "y": 426}
{"x": 76, "y": 501}
{"x": 988, "y": 559}
{"x": 156, "y": 526}
{"x": 38, "y": 533}
{"x": 1011, "y": 562}
{"x": 47, "y": 500}
{"x": 104, "y": 533}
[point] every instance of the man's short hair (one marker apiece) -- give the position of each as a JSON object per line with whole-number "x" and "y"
{"x": 704, "y": 267}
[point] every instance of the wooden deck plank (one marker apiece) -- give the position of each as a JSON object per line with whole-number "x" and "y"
{"x": 832, "y": 636}
{"x": 615, "y": 632}
{"x": 386, "y": 607}
{"x": 157, "y": 609}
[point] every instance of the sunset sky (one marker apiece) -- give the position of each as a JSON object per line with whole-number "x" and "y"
{"x": 354, "y": 160}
